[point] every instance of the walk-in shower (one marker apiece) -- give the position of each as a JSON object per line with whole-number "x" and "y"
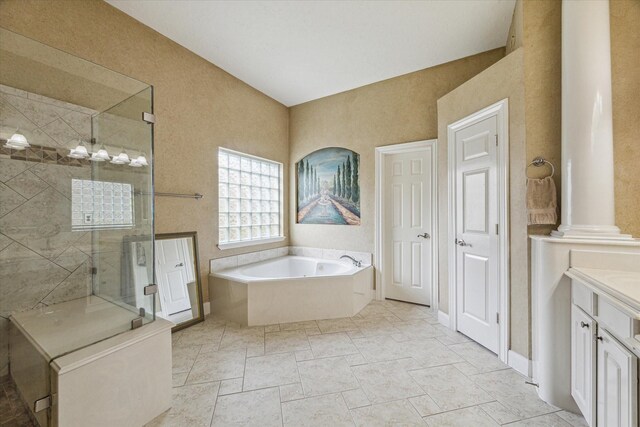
{"x": 70, "y": 196}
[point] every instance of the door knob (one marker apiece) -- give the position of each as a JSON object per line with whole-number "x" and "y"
{"x": 180, "y": 265}
{"x": 461, "y": 242}
{"x": 424, "y": 235}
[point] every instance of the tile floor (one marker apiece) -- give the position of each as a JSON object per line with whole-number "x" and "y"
{"x": 392, "y": 364}
{"x": 12, "y": 412}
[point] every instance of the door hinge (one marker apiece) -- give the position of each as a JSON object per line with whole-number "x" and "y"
{"x": 497, "y": 228}
{"x": 496, "y": 139}
{"x": 498, "y": 318}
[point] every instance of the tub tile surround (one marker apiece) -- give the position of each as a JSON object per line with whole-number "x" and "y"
{"x": 371, "y": 369}
{"x": 333, "y": 254}
{"x": 225, "y": 263}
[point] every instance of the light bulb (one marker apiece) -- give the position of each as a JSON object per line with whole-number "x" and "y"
{"x": 18, "y": 141}
{"x": 96, "y": 158}
{"x": 123, "y": 157}
{"x": 14, "y": 147}
{"x": 101, "y": 155}
{"x": 142, "y": 160}
{"x": 80, "y": 152}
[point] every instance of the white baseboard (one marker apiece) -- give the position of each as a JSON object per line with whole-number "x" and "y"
{"x": 207, "y": 308}
{"x": 519, "y": 363}
{"x": 443, "y": 319}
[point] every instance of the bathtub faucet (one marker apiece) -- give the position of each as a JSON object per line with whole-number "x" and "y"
{"x": 355, "y": 261}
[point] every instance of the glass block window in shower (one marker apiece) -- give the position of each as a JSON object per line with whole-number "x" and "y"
{"x": 101, "y": 204}
{"x": 249, "y": 199}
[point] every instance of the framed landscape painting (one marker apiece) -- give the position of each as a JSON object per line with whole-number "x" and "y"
{"x": 328, "y": 187}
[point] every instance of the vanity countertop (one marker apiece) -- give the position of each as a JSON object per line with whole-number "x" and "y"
{"x": 621, "y": 285}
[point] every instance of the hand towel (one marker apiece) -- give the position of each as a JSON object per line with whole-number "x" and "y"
{"x": 542, "y": 201}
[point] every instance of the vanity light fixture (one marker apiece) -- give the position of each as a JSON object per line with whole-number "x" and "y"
{"x": 17, "y": 141}
{"x": 80, "y": 152}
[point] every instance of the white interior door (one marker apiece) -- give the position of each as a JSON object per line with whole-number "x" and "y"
{"x": 477, "y": 256}
{"x": 173, "y": 268}
{"x": 407, "y": 242}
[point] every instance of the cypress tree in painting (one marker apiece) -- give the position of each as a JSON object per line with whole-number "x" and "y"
{"x": 307, "y": 191}
{"x": 300, "y": 181}
{"x": 343, "y": 183}
{"x": 303, "y": 183}
{"x": 347, "y": 173}
{"x": 339, "y": 181}
{"x": 355, "y": 190}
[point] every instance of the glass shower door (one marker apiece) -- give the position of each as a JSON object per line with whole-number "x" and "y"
{"x": 122, "y": 216}
{"x": 77, "y": 249}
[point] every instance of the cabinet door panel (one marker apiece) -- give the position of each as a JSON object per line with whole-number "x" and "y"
{"x": 583, "y": 358}
{"x": 617, "y": 384}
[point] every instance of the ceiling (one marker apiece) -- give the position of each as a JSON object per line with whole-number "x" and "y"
{"x": 297, "y": 51}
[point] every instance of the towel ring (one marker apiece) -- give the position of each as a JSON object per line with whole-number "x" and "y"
{"x": 541, "y": 161}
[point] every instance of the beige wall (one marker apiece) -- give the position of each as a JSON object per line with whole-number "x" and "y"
{"x": 398, "y": 110}
{"x": 502, "y": 80}
{"x": 625, "y": 67}
{"x": 199, "y": 107}
{"x": 542, "y": 44}
{"x": 514, "y": 38}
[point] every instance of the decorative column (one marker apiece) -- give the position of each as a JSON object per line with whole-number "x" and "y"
{"x": 588, "y": 209}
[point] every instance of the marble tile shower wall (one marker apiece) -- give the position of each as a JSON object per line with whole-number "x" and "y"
{"x": 42, "y": 261}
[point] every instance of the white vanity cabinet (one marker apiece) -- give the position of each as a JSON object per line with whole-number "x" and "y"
{"x": 604, "y": 356}
{"x": 617, "y": 395}
{"x": 583, "y": 362}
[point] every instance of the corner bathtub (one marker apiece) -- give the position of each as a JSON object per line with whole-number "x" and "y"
{"x": 290, "y": 289}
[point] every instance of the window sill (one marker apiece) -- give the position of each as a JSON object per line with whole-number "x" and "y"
{"x": 232, "y": 245}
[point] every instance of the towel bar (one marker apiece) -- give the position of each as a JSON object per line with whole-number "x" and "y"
{"x": 541, "y": 161}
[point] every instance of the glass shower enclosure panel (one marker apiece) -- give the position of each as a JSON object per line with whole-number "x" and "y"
{"x": 122, "y": 216}
{"x": 76, "y": 211}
